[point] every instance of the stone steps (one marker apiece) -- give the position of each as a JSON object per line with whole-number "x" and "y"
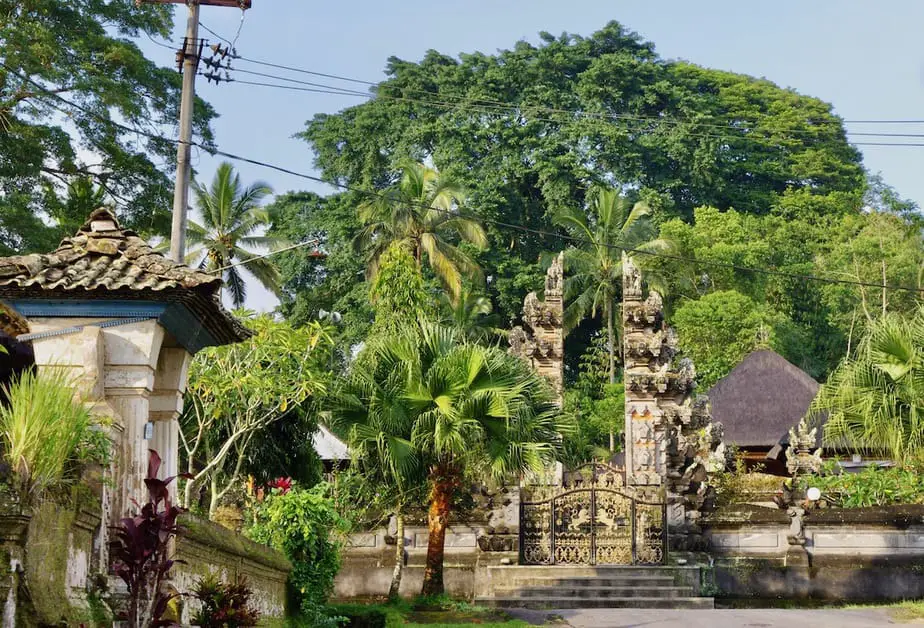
{"x": 601, "y": 592}
{"x": 550, "y": 587}
{"x": 598, "y": 602}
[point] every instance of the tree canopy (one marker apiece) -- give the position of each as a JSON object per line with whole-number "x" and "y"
{"x": 54, "y": 53}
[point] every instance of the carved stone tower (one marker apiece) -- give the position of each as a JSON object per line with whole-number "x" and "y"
{"x": 542, "y": 341}
{"x": 671, "y": 442}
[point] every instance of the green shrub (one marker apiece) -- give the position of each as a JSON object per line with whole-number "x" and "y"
{"x": 46, "y": 432}
{"x": 301, "y": 523}
{"x": 874, "y": 486}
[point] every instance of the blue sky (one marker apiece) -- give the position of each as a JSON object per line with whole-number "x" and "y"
{"x": 867, "y": 58}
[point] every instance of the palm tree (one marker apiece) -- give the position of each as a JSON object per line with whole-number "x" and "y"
{"x": 450, "y": 406}
{"x": 421, "y": 211}
{"x": 873, "y": 399}
{"x": 472, "y": 315}
{"x": 231, "y": 216}
{"x": 594, "y": 267}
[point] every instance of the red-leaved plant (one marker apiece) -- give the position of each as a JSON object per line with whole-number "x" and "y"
{"x": 283, "y": 485}
{"x": 140, "y": 551}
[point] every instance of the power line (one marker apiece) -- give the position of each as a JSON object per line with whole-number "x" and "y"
{"x": 315, "y": 241}
{"x": 227, "y": 41}
{"x": 525, "y": 106}
{"x": 323, "y": 88}
{"x": 498, "y": 223}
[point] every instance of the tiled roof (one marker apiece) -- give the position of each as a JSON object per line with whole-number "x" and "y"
{"x": 104, "y": 261}
{"x": 101, "y": 255}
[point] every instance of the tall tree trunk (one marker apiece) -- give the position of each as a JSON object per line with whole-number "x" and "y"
{"x": 442, "y": 485}
{"x": 612, "y": 349}
{"x": 399, "y": 556}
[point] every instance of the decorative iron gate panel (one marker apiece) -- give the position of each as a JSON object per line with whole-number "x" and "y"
{"x": 589, "y": 520}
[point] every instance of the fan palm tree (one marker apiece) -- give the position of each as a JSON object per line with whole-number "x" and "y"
{"x": 421, "y": 211}
{"x": 448, "y": 406}
{"x": 873, "y": 399}
{"x": 232, "y": 217}
{"x": 594, "y": 267}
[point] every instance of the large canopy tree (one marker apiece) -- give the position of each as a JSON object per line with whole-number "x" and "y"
{"x": 429, "y": 398}
{"x": 528, "y": 129}
{"x": 82, "y": 52}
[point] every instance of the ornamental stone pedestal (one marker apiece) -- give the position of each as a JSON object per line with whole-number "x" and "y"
{"x": 124, "y": 321}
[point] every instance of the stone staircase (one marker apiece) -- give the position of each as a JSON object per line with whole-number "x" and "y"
{"x": 593, "y": 587}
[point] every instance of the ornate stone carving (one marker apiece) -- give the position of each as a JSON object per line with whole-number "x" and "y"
{"x": 674, "y": 444}
{"x": 540, "y": 340}
{"x": 802, "y": 441}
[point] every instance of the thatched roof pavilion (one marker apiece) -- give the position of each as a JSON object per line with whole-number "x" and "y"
{"x": 758, "y": 402}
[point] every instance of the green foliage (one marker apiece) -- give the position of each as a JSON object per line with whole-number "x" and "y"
{"x": 873, "y": 399}
{"x": 397, "y": 292}
{"x": 45, "y": 431}
{"x": 237, "y": 392}
{"x": 83, "y": 52}
{"x": 326, "y": 276}
{"x": 303, "y": 524}
{"x": 738, "y": 484}
{"x": 684, "y": 136}
{"x": 224, "y": 604}
{"x": 421, "y": 213}
{"x": 232, "y": 215}
{"x": 873, "y": 486}
{"x": 720, "y": 329}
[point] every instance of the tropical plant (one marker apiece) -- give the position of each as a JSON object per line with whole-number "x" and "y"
{"x": 449, "y": 406}
{"x": 593, "y": 269}
{"x": 224, "y": 604}
{"x": 236, "y": 392}
{"x": 231, "y": 216}
{"x": 870, "y": 487}
{"x": 45, "y": 430}
{"x": 421, "y": 212}
{"x": 472, "y": 314}
{"x": 303, "y": 525}
{"x": 873, "y": 399}
{"x": 141, "y": 547}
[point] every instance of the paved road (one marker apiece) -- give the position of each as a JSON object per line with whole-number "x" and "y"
{"x": 720, "y": 618}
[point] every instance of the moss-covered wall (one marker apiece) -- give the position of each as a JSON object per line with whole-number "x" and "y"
{"x": 208, "y": 548}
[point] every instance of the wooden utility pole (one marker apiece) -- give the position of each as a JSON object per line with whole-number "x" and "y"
{"x": 189, "y": 58}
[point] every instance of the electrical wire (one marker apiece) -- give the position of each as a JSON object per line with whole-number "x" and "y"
{"x": 497, "y": 223}
{"x": 315, "y": 241}
{"x": 525, "y": 106}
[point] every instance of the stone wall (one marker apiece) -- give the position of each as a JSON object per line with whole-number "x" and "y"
{"x": 849, "y": 554}
{"x": 208, "y": 548}
{"x": 369, "y": 559}
{"x": 52, "y": 575}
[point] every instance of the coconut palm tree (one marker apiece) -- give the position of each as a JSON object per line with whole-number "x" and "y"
{"x": 873, "y": 399}
{"x": 421, "y": 211}
{"x": 472, "y": 314}
{"x": 594, "y": 267}
{"x": 232, "y": 217}
{"x": 450, "y": 407}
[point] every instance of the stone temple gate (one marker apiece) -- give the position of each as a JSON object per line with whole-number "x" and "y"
{"x": 600, "y": 514}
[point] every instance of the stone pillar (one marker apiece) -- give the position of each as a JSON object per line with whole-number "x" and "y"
{"x": 672, "y": 444}
{"x": 166, "y": 406}
{"x": 114, "y": 368}
{"x": 542, "y": 341}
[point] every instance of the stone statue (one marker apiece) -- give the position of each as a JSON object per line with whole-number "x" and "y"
{"x": 631, "y": 278}
{"x": 554, "y": 277}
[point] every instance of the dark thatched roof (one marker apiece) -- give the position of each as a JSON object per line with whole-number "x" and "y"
{"x": 761, "y": 399}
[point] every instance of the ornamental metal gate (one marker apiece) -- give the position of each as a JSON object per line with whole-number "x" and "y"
{"x": 591, "y": 520}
